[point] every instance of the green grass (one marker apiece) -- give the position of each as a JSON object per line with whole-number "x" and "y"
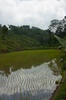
{"x": 25, "y": 59}
{"x": 60, "y": 93}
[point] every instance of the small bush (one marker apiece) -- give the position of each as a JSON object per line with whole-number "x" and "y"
{"x": 64, "y": 65}
{"x": 57, "y": 82}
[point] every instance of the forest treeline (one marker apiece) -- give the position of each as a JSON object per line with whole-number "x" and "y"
{"x": 15, "y": 38}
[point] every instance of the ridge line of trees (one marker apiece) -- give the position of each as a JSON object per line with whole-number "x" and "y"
{"x": 14, "y": 38}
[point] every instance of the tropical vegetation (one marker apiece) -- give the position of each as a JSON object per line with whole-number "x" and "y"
{"x": 17, "y": 38}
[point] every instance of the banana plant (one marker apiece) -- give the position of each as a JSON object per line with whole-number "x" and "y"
{"x": 61, "y": 41}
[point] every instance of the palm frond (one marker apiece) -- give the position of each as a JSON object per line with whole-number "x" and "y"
{"x": 61, "y": 41}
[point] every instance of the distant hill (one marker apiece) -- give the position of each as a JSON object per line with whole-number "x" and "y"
{"x": 15, "y": 38}
{"x": 20, "y": 38}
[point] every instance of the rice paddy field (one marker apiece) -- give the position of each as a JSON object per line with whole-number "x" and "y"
{"x": 26, "y": 59}
{"x": 29, "y": 74}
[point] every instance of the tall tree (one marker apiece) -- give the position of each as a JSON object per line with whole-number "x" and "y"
{"x": 58, "y": 27}
{"x": 4, "y": 31}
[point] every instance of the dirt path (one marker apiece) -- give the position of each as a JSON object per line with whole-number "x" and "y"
{"x": 58, "y": 88}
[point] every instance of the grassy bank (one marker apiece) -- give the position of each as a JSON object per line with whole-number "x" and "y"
{"x": 25, "y": 59}
{"x": 60, "y": 92}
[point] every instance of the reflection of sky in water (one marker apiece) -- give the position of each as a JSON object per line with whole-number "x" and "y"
{"x": 37, "y": 83}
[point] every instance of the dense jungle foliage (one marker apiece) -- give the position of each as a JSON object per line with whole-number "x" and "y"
{"x": 16, "y": 38}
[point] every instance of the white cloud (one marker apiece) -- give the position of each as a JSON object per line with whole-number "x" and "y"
{"x": 37, "y": 13}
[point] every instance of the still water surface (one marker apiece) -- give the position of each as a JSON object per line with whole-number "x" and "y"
{"x": 37, "y": 83}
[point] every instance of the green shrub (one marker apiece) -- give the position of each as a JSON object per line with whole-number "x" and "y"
{"x": 57, "y": 82}
{"x": 64, "y": 65}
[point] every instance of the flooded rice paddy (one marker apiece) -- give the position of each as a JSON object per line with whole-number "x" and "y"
{"x": 36, "y": 83}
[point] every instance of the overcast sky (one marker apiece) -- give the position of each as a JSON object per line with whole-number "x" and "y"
{"x": 37, "y": 13}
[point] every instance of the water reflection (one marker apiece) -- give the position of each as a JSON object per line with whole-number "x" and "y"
{"x": 37, "y": 83}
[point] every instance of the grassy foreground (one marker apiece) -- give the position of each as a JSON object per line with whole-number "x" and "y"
{"x": 60, "y": 92}
{"x": 25, "y": 59}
